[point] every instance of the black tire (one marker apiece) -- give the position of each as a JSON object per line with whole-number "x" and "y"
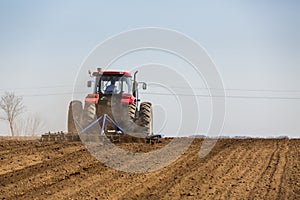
{"x": 89, "y": 114}
{"x": 145, "y": 117}
{"x": 74, "y": 116}
{"x": 131, "y": 111}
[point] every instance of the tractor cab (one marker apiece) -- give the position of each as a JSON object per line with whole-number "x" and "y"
{"x": 118, "y": 84}
{"x": 114, "y": 83}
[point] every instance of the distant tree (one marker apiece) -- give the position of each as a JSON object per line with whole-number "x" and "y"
{"x": 34, "y": 124}
{"x": 28, "y": 125}
{"x": 12, "y": 107}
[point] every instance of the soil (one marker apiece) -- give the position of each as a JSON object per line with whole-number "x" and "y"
{"x": 234, "y": 169}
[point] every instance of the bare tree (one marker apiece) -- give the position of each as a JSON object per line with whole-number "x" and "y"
{"x": 12, "y": 106}
{"x": 34, "y": 124}
{"x": 28, "y": 125}
{"x": 18, "y": 126}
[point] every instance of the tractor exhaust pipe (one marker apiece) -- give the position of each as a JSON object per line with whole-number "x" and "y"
{"x": 135, "y": 86}
{"x": 135, "y": 89}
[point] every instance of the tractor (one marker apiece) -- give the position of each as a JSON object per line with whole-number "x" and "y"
{"x": 113, "y": 110}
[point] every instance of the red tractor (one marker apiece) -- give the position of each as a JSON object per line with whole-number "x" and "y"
{"x": 114, "y": 107}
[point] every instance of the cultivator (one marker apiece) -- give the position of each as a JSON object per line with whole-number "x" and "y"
{"x": 115, "y": 138}
{"x": 59, "y": 136}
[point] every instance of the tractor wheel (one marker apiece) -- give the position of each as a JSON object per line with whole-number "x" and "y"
{"x": 74, "y": 116}
{"x": 89, "y": 114}
{"x": 145, "y": 117}
{"x": 131, "y": 111}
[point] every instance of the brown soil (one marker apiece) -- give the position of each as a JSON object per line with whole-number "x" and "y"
{"x": 234, "y": 169}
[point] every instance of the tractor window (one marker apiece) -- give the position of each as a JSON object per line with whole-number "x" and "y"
{"x": 126, "y": 85}
{"x": 114, "y": 85}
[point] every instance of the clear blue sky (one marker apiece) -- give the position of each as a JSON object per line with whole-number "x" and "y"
{"x": 255, "y": 45}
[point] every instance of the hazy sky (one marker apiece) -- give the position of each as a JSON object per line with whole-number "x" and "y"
{"x": 254, "y": 44}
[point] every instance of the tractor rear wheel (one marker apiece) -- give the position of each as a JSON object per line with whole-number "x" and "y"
{"x": 89, "y": 114}
{"x": 131, "y": 111}
{"x": 145, "y": 117}
{"x": 74, "y": 116}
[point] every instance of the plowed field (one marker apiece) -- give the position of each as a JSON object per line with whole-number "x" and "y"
{"x": 234, "y": 169}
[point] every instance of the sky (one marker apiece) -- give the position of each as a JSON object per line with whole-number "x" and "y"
{"x": 254, "y": 45}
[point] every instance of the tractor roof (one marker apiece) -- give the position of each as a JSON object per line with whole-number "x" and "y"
{"x": 116, "y": 73}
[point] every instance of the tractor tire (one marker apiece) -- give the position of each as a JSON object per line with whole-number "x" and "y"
{"x": 145, "y": 117}
{"x": 74, "y": 116}
{"x": 131, "y": 111}
{"x": 89, "y": 114}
